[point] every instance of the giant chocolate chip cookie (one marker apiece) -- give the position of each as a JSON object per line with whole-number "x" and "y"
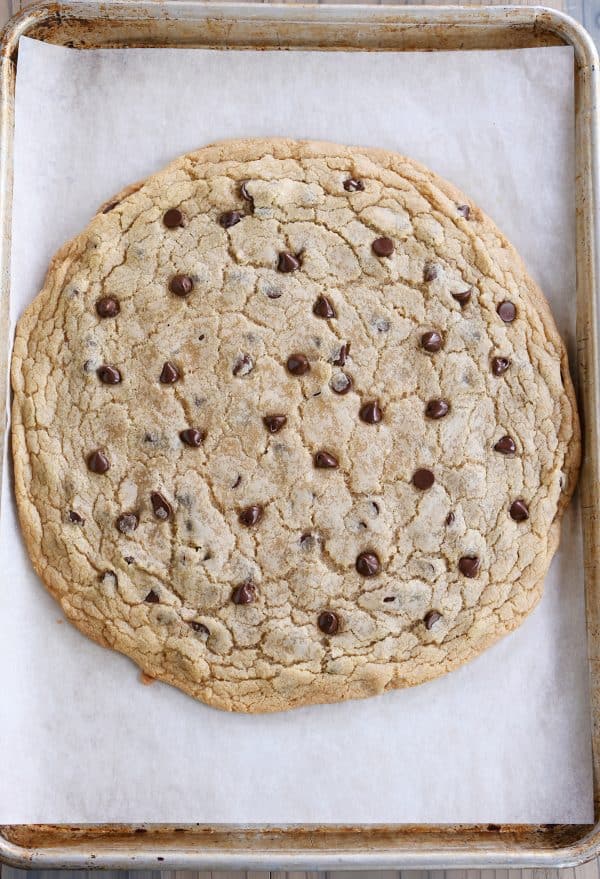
{"x": 292, "y": 424}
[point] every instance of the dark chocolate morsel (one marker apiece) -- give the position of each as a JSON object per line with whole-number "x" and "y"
{"x": 108, "y": 375}
{"x": 423, "y": 479}
{"x": 383, "y": 246}
{"x": 191, "y": 436}
{"x": 245, "y": 593}
{"x": 75, "y": 518}
{"x": 152, "y": 597}
{"x": 98, "y": 462}
{"x": 181, "y": 285}
{"x": 430, "y": 272}
{"x": 431, "y": 618}
{"x": 287, "y": 262}
{"x": 160, "y": 506}
{"x": 469, "y": 566}
{"x": 127, "y": 523}
{"x": 297, "y": 364}
{"x": 431, "y": 341}
{"x": 500, "y": 365}
{"x": 323, "y": 308}
{"x": 519, "y": 511}
{"x": 436, "y": 409}
{"x": 507, "y": 311}
{"x": 353, "y": 185}
{"x": 367, "y": 564}
{"x": 230, "y": 218}
{"x": 173, "y": 218}
{"x": 463, "y": 297}
{"x": 325, "y": 460}
{"x": 505, "y": 445}
{"x": 251, "y": 515}
{"x": 243, "y": 365}
{"x": 274, "y": 423}
{"x": 108, "y": 306}
{"x": 340, "y": 383}
{"x": 370, "y": 412}
{"x": 328, "y": 622}
{"x": 169, "y": 373}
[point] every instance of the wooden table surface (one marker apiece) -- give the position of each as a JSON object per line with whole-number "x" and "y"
{"x": 588, "y": 871}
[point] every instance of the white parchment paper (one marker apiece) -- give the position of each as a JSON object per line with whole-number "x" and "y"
{"x": 507, "y": 738}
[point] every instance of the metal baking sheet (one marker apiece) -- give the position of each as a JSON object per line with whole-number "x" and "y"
{"x": 352, "y": 15}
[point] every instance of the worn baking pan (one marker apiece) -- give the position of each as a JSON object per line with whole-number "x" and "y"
{"x": 124, "y": 23}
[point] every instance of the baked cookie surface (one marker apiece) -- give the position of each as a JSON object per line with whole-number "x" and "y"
{"x": 292, "y": 425}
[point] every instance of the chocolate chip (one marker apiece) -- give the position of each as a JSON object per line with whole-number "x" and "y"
{"x": 129, "y": 559}
{"x": 325, "y": 460}
{"x": 367, "y": 564}
{"x": 152, "y": 597}
{"x": 297, "y": 364}
{"x": 108, "y": 307}
{"x": 181, "y": 285}
{"x": 389, "y": 598}
{"x": 507, "y": 311}
{"x": 230, "y": 218}
{"x": 274, "y": 423}
{"x": 127, "y": 523}
{"x": 245, "y": 593}
{"x": 328, "y": 622}
{"x": 308, "y": 540}
{"x": 505, "y": 445}
{"x": 375, "y": 508}
{"x": 237, "y": 481}
{"x": 245, "y": 194}
{"x": 108, "y": 375}
{"x": 251, "y": 515}
{"x": 519, "y": 511}
{"x": 431, "y": 341}
{"x": 436, "y": 409}
{"x": 430, "y": 272}
{"x": 381, "y": 325}
{"x": 98, "y": 462}
{"x": 160, "y": 506}
{"x": 340, "y": 358}
{"x": 431, "y": 618}
{"x": 200, "y": 628}
{"x": 243, "y": 365}
{"x": 75, "y": 518}
{"x": 323, "y": 308}
{"x": 169, "y": 373}
{"x": 450, "y": 518}
{"x": 423, "y": 479}
{"x": 340, "y": 383}
{"x": 463, "y": 297}
{"x": 191, "y": 436}
{"x": 469, "y": 566}
{"x": 173, "y": 218}
{"x": 383, "y": 246}
{"x": 370, "y": 412}
{"x": 464, "y": 210}
{"x": 287, "y": 262}
{"x": 500, "y": 365}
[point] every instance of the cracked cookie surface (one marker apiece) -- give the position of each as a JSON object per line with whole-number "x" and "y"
{"x": 292, "y": 425}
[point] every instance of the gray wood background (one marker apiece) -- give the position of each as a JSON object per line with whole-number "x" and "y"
{"x": 591, "y": 870}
